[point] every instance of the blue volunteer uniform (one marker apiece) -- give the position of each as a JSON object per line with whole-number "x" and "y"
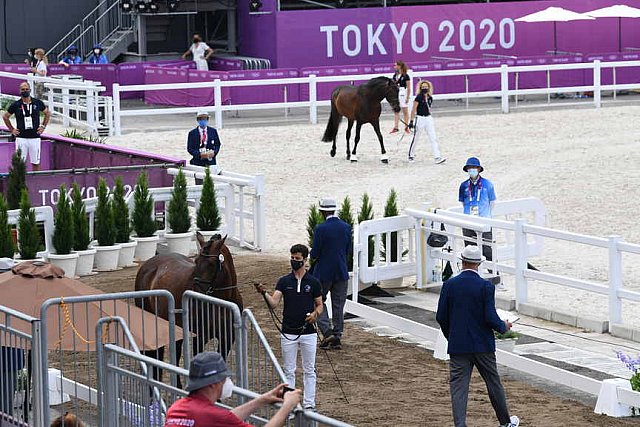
{"x": 298, "y": 301}
{"x": 203, "y": 138}
{"x": 477, "y": 197}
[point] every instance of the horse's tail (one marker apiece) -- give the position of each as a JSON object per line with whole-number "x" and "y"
{"x": 334, "y": 122}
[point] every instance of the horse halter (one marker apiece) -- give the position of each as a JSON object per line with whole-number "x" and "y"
{"x": 210, "y": 289}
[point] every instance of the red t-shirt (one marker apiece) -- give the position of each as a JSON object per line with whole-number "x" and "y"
{"x": 197, "y": 411}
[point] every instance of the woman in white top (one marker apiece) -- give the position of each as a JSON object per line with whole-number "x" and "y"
{"x": 40, "y": 70}
{"x": 200, "y": 52}
{"x": 41, "y": 64}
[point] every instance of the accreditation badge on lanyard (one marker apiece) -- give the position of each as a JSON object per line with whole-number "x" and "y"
{"x": 475, "y": 204}
{"x": 28, "y": 121}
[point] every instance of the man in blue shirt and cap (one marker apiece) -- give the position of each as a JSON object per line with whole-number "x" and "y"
{"x": 478, "y": 198}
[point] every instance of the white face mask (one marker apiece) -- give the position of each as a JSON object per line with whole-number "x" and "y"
{"x": 473, "y": 173}
{"x": 227, "y": 389}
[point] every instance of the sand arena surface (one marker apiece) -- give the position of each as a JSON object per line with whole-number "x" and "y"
{"x": 582, "y": 163}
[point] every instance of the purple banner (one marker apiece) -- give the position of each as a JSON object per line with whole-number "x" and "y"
{"x": 177, "y": 97}
{"x": 62, "y": 153}
{"x": 263, "y": 94}
{"x": 418, "y": 33}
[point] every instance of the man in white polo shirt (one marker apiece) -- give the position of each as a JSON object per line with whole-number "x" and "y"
{"x": 28, "y": 127}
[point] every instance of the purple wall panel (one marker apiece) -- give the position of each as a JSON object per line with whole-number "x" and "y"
{"x": 226, "y": 64}
{"x": 262, "y": 94}
{"x": 416, "y": 33}
{"x": 177, "y": 97}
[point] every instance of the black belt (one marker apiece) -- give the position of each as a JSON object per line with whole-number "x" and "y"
{"x": 420, "y": 115}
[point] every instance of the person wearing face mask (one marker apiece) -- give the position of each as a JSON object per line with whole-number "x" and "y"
{"x": 209, "y": 381}
{"x": 302, "y": 294}
{"x": 403, "y": 80}
{"x": 203, "y": 143}
{"x": 478, "y": 197}
{"x": 28, "y": 127}
{"x": 39, "y": 70}
{"x": 421, "y": 112}
{"x": 71, "y": 58}
{"x": 97, "y": 57}
{"x": 31, "y": 60}
{"x": 200, "y": 51}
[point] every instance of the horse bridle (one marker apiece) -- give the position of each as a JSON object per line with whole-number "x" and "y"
{"x": 210, "y": 289}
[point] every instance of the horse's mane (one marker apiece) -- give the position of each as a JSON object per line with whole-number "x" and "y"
{"x": 377, "y": 81}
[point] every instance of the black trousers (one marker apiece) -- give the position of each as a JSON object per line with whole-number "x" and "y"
{"x": 460, "y": 368}
{"x": 486, "y": 237}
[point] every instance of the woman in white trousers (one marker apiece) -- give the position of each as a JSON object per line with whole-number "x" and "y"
{"x": 421, "y": 112}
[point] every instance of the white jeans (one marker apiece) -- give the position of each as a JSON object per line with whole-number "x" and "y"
{"x": 307, "y": 345}
{"x": 425, "y": 124}
{"x": 402, "y": 97}
{"x": 30, "y": 146}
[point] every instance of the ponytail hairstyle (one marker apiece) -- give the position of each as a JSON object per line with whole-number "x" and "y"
{"x": 403, "y": 67}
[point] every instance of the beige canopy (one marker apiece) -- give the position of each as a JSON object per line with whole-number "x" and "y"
{"x": 72, "y": 326}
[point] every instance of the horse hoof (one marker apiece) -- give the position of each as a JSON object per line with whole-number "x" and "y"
{"x": 354, "y": 158}
{"x": 333, "y": 153}
{"x": 384, "y": 159}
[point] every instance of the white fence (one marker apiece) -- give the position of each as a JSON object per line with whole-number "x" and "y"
{"x": 522, "y": 241}
{"x": 312, "y": 81}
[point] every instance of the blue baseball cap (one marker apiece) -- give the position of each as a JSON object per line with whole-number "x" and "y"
{"x": 472, "y": 162}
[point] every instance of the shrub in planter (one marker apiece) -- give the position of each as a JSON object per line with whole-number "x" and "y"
{"x": 105, "y": 228}
{"x": 208, "y": 215}
{"x": 63, "y": 225}
{"x": 179, "y": 219}
{"x": 28, "y": 235}
{"x": 16, "y": 181}
{"x": 365, "y": 214}
{"x": 121, "y": 213}
{"x": 345, "y": 213}
{"x": 81, "y": 239}
{"x": 314, "y": 218}
{"x": 7, "y": 248}
{"x": 142, "y": 218}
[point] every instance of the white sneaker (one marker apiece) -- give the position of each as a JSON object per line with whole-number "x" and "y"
{"x": 515, "y": 422}
{"x": 440, "y": 160}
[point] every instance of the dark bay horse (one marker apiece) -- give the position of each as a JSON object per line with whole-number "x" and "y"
{"x": 213, "y": 273}
{"x": 362, "y": 105}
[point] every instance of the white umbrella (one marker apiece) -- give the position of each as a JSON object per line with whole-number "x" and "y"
{"x": 617, "y": 11}
{"x": 554, "y": 14}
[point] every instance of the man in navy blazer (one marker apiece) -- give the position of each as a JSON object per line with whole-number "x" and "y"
{"x": 203, "y": 143}
{"x": 331, "y": 244}
{"x": 467, "y": 316}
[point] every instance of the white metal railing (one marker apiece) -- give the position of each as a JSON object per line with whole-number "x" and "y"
{"x": 312, "y": 81}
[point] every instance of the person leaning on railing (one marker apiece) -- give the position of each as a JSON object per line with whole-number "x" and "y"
{"x": 209, "y": 381}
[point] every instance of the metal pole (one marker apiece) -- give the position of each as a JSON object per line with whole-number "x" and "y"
{"x": 38, "y": 374}
{"x": 231, "y": 30}
{"x": 313, "y": 95}
{"x": 116, "y": 109}
{"x": 217, "y": 102}
{"x": 615, "y": 280}
{"x": 597, "y": 91}
{"x": 142, "y": 35}
{"x": 504, "y": 87}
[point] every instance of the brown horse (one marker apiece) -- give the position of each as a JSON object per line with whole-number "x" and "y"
{"x": 362, "y": 105}
{"x": 213, "y": 273}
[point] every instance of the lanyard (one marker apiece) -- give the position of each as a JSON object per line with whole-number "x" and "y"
{"x": 24, "y": 113}
{"x": 470, "y": 187}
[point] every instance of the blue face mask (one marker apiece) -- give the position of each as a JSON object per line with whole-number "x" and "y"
{"x": 473, "y": 173}
{"x": 203, "y": 123}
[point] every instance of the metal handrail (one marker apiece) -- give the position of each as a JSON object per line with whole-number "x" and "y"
{"x": 90, "y": 27}
{"x": 94, "y": 10}
{"x": 78, "y": 26}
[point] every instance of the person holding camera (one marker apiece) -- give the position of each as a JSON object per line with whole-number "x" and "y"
{"x": 302, "y": 294}
{"x": 467, "y": 316}
{"x": 209, "y": 381}
{"x": 421, "y": 112}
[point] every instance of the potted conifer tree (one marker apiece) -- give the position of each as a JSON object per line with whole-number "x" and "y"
{"x": 365, "y": 214}
{"x": 107, "y": 251}
{"x": 81, "y": 239}
{"x": 123, "y": 226}
{"x": 179, "y": 239}
{"x": 7, "y": 246}
{"x": 63, "y": 237}
{"x": 314, "y": 218}
{"x": 208, "y": 218}
{"x": 391, "y": 254}
{"x": 142, "y": 221}
{"x": 28, "y": 235}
